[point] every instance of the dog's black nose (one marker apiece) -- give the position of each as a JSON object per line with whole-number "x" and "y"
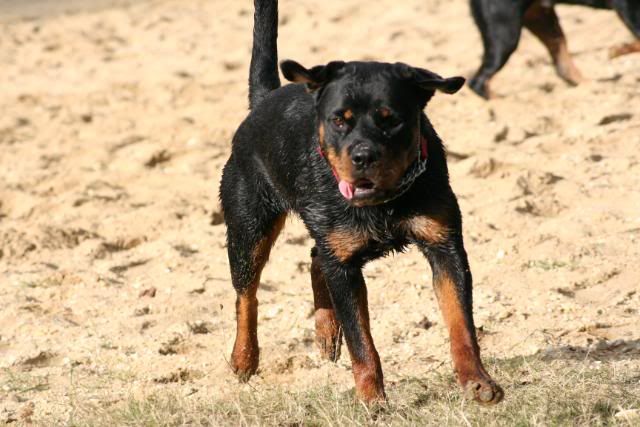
{"x": 363, "y": 155}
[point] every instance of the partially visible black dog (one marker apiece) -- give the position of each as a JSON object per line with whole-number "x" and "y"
{"x": 349, "y": 150}
{"x": 501, "y": 21}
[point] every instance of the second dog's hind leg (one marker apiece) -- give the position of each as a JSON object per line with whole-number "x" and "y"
{"x": 544, "y": 24}
{"x": 629, "y": 12}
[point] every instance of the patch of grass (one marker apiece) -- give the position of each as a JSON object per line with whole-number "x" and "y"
{"x": 22, "y": 382}
{"x": 538, "y": 392}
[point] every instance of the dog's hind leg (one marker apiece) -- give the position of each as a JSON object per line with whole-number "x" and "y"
{"x": 543, "y": 22}
{"x": 624, "y": 49}
{"x": 252, "y": 229}
{"x": 629, "y": 11}
{"x": 248, "y": 255}
{"x": 500, "y": 25}
{"x": 328, "y": 331}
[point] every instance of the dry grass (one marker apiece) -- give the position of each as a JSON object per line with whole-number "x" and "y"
{"x": 539, "y": 392}
{"x": 19, "y": 383}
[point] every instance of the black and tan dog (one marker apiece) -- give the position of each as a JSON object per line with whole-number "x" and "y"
{"x": 349, "y": 149}
{"x": 501, "y": 21}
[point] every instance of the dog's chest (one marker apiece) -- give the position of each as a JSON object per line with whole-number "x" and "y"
{"x": 377, "y": 242}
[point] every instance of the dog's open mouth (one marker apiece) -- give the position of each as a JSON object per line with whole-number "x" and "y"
{"x": 361, "y": 189}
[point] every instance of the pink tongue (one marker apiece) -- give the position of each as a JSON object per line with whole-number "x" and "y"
{"x": 346, "y": 189}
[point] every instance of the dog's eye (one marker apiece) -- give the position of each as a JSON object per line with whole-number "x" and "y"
{"x": 385, "y": 116}
{"x": 338, "y": 122}
{"x": 386, "y": 120}
{"x": 383, "y": 113}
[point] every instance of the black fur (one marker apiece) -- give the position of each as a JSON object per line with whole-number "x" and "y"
{"x": 276, "y": 168}
{"x": 263, "y": 75}
{"x": 500, "y": 23}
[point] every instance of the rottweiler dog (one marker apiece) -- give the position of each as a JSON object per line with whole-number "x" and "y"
{"x": 349, "y": 149}
{"x": 501, "y": 21}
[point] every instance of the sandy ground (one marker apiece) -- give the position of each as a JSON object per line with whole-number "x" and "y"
{"x": 115, "y": 124}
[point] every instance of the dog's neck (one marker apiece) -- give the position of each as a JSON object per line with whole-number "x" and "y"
{"x": 417, "y": 168}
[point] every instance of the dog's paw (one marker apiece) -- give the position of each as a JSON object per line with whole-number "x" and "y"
{"x": 328, "y": 334}
{"x": 483, "y": 391}
{"x": 369, "y": 385}
{"x": 481, "y": 88}
{"x": 244, "y": 373}
{"x": 569, "y": 73}
{"x": 244, "y": 364}
{"x": 243, "y": 376}
{"x": 376, "y": 404}
{"x": 329, "y": 347}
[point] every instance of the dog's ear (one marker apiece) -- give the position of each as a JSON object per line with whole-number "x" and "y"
{"x": 314, "y": 78}
{"x": 430, "y": 81}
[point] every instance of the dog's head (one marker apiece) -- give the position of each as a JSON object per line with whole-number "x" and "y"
{"x": 369, "y": 121}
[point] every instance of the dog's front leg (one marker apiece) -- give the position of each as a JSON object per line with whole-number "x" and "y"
{"x": 443, "y": 247}
{"x": 349, "y": 296}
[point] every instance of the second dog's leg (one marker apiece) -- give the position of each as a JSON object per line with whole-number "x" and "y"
{"x": 544, "y": 24}
{"x": 629, "y": 12}
{"x": 500, "y": 25}
{"x": 624, "y": 49}
{"x": 328, "y": 331}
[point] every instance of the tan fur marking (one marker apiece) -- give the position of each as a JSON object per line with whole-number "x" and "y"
{"x": 245, "y": 355}
{"x": 428, "y": 229}
{"x": 624, "y": 49}
{"x": 263, "y": 248}
{"x": 386, "y": 175}
{"x": 321, "y": 135}
{"x": 544, "y": 24}
{"x": 341, "y": 162}
{"x": 328, "y": 337}
{"x": 367, "y": 371}
{"x": 464, "y": 350}
{"x": 345, "y": 243}
{"x": 369, "y": 385}
{"x": 348, "y": 114}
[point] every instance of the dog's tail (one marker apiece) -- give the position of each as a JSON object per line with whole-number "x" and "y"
{"x": 263, "y": 73}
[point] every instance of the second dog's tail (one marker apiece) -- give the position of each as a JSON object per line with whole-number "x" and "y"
{"x": 263, "y": 72}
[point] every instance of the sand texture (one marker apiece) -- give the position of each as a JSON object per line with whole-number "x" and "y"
{"x": 114, "y": 127}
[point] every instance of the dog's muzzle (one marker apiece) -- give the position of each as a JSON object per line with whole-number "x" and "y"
{"x": 416, "y": 169}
